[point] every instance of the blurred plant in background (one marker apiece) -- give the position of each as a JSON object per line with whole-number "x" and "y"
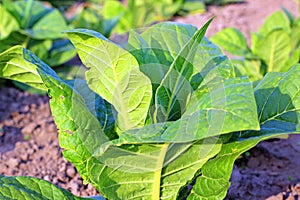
{"x": 36, "y": 27}
{"x": 274, "y": 48}
{"x": 39, "y": 25}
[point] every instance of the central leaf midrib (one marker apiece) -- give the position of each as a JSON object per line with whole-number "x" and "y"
{"x": 123, "y": 109}
{"x": 158, "y": 172}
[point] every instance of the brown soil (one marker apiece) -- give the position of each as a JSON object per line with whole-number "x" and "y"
{"x": 28, "y": 136}
{"x": 29, "y": 145}
{"x": 247, "y": 16}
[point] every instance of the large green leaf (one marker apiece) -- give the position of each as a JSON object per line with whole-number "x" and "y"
{"x": 49, "y": 26}
{"x": 277, "y": 20}
{"x": 80, "y": 132}
{"x": 278, "y": 107}
{"x": 173, "y": 93}
{"x": 14, "y": 67}
{"x": 29, "y": 188}
{"x": 274, "y": 49}
{"x": 152, "y": 171}
{"x": 8, "y": 23}
{"x": 114, "y": 74}
{"x": 278, "y": 101}
{"x": 27, "y": 13}
{"x": 232, "y": 41}
{"x": 209, "y": 113}
{"x": 156, "y": 44}
{"x": 213, "y": 182}
{"x": 155, "y": 50}
{"x": 213, "y": 108}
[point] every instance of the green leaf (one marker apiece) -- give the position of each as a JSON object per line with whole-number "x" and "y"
{"x": 278, "y": 101}
{"x": 157, "y": 43}
{"x": 294, "y": 59}
{"x": 8, "y": 23}
{"x": 80, "y": 132}
{"x": 96, "y": 105}
{"x": 49, "y": 26}
{"x": 114, "y": 74}
{"x": 27, "y": 12}
{"x": 295, "y": 32}
{"x": 278, "y": 107}
{"x": 172, "y": 94}
{"x": 145, "y": 15}
{"x": 15, "y": 38}
{"x": 274, "y": 49}
{"x": 210, "y": 112}
{"x": 60, "y": 52}
{"x": 40, "y": 47}
{"x": 289, "y": 15}
{"x": 165, "y": 9}
{"x": 109, "y": 25}
{"x": 14, "y": 67}
{"x": 213, "y": 182}
{"x": 277, "y": 20}
{"x": 112, "y": 9}
{"x": 210, "y": 65}
{"x": 232, "y": 41}
{"x": 88, "y": 18}
{"x": 255, "y": 38}
{"x": 29, "y": 188}
{"x": 248, "y": 67}
{"x": 115, "y": 9}
{"x": 29, "y": 89}
{"x": 213, "y": 108}
{"x": 154, "y": 54}
{"x": 192, "y": 7}
{"x": 151, "y": 171}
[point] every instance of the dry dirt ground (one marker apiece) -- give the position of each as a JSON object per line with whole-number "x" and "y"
{"x": 28, "y": 136}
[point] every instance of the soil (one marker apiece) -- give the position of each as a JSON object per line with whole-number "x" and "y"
{"x": 247, "y": 16}
{"x": 28, "y": 135}
{"x": 29, "y": 145}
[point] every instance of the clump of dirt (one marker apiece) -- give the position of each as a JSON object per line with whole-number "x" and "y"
{"x": 29, "y": 145}
{"x": 292, "y": 193}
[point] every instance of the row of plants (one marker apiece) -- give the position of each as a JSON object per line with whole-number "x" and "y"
{"x": 38, "y": 26}
{"x": 274, "y": 48}
{"x": 177, "y": 115}
{"x": 163, "y": 118}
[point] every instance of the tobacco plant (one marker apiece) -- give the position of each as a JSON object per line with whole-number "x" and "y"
{"x": 138, "y": 14}
{"x": 37, "y": 28}
{"x": 275, "y": 47}
{"x": 164, "y": 113}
